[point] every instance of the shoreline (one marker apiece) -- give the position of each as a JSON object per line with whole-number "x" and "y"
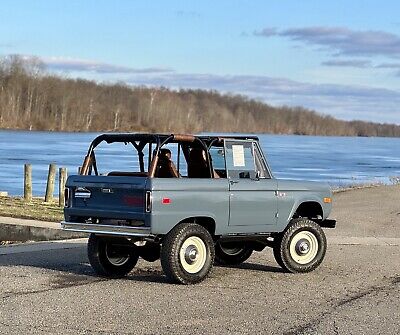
{"x": 201, "y": 132}
{"x": 360, "y": 187}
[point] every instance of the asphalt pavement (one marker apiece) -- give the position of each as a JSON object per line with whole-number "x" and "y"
{"x": 49, "y": 288}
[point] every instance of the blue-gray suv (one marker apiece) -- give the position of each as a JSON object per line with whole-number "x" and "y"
{"x": 192, "y": 201}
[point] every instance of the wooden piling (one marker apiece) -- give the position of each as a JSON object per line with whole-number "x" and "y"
{"x": 28, "y": 182}
{"x": 62, "y": 178}
{"x": 51, "y": 177}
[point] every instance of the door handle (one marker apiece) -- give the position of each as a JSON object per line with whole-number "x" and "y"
{"x": 233, "y": 182}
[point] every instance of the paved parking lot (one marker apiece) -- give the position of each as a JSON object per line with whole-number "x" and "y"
{"x": 54, "y": 291}
{"x": 51, "y": 289}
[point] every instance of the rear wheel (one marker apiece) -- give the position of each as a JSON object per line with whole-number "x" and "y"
{"x": 232, "y": 253}
{"x": 187, "y": 253}
{"x": 109, "y": 259}
{"x": 301, "y": 247}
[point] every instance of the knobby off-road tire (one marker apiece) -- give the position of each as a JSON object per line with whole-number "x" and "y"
{"x": 110, "y": 260}
{"x": 301, "y": 247}
{"x": 232, "y": 253}
{"x": 187, "y": 253}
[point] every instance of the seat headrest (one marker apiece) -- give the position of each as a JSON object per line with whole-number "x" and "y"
{"x": 197, "y": 154}
{"x": 165, "y": 154}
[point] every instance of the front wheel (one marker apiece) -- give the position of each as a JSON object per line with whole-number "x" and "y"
{"x": 109, "y": 259}
{"x": 187, "y": 253}
{"x": 301, "y": 247}
{"x": 232, "y": 253}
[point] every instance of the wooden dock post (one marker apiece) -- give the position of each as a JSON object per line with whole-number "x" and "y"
{"x": 50, "y": 183}
{"x": 28, "y": 182}
{"x": 62, "y": 178}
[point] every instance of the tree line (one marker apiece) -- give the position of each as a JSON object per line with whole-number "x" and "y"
{"x": 31, "y": 98}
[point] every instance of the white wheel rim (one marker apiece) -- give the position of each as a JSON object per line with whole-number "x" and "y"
{"x": 193, "y": 254}
{"x": 115, "y": 260}
{"x": 303, "y": 247}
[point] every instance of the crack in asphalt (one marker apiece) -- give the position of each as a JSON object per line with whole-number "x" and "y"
{"x": 312, "y": 325}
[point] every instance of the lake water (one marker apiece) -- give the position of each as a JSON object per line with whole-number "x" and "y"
{"x": 340, "y": 161}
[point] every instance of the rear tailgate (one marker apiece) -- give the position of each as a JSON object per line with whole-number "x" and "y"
{"x": 111, "y": 197}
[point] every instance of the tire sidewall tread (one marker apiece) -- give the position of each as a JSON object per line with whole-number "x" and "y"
{"x": 282, "y": 245}
{"x": 170, "y": 250}
{"x": 99, "y": 262}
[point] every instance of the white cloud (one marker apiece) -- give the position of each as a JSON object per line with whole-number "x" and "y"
{"x": 342, "y": 40}
{"x": 82, "y": 65}
{"x": 357, "y": 63}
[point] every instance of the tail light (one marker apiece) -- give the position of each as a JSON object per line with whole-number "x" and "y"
{"x": 148, "y": 201}
{"x": 66, "y": 197}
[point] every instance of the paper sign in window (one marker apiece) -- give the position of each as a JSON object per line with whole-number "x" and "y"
{"x": 238, "y": 155}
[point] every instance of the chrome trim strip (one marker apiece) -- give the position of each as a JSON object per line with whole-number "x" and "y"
{"x": 149, "y": 201}
{"x": 106, "y": 229}
{"x": 82, "y": 192}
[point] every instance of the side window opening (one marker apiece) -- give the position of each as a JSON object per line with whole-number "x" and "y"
{"x": 196, "y": 162}
{"x": 217, "y": 156}
{"x": 198, "y": 166}
{"x": 171, "y": 162}
{"x": 126, "y": 155}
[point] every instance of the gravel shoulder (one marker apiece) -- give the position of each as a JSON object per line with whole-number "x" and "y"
{"x": 367, "y": 212}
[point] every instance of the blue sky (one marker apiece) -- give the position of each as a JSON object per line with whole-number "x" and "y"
{"x": 338, "y": 57}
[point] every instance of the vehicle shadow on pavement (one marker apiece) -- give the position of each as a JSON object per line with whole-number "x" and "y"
{"x": 151, "y": 275}
{"x": 71, "y": 261}
{"x": 74, "y": 263}
{"x": 254, "y": 267}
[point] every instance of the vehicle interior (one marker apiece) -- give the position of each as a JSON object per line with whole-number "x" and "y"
{"x": 158, "y": 156}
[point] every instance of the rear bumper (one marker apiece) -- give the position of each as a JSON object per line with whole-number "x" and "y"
{"x": 104, "y": 213}
{"x": 328, "y": 223}
{"x": 102, "y": 229}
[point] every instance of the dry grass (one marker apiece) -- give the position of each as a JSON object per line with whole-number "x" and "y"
{"x": 37, "y": 209}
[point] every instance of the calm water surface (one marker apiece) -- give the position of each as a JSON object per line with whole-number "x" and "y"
{"x": 337, "y": 160}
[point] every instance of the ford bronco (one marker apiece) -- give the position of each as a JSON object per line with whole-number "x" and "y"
{"x": 191, "y": 201}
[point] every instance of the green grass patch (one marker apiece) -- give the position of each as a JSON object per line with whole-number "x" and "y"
{"x": 37, "y": 209}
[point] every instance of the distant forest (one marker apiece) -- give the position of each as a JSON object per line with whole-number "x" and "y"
{"x": 30, "y": 98}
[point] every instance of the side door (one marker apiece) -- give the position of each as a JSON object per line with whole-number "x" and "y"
{"x": 252, "y": 191}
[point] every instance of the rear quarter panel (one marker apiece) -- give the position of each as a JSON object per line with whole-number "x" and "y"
{"x": 188, "y": 198}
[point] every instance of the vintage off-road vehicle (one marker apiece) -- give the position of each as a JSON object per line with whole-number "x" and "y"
{"x": 192, "y": 200}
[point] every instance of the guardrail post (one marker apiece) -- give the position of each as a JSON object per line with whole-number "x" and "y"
{"x": 50, "y": 183}
{"x": 62, "y": 178}
{"x": 28, "y": 182}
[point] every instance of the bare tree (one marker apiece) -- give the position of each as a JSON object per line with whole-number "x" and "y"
{"x": 32, "y": 99}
